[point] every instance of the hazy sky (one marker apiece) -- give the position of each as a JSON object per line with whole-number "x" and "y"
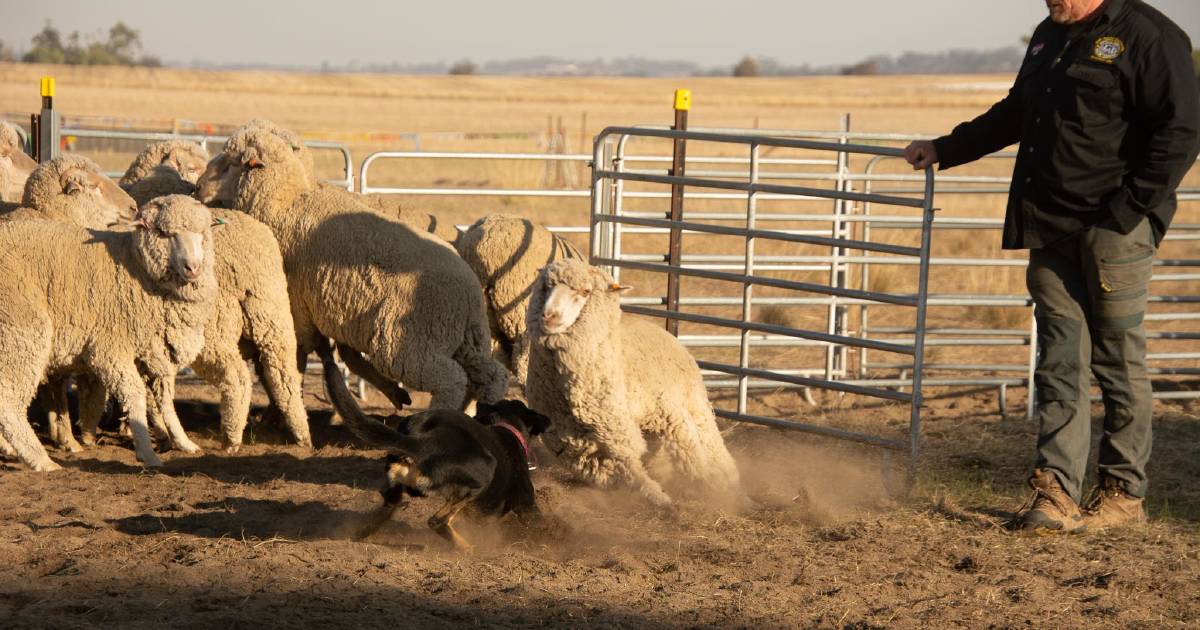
{"x": 708, "y": 32}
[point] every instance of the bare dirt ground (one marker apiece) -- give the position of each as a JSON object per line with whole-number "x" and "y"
{"x": 260, "y": 538}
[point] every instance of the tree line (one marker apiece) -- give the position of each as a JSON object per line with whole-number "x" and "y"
{"x": 122, "y": 47}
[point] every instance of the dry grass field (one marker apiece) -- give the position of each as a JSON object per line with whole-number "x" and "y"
{"x": 259, "y": 537}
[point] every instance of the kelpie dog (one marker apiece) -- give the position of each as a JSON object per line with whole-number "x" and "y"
{"x": 481, "y": 462}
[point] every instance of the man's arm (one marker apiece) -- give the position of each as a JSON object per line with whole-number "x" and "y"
{"x": 1167, "y": 110}
{"x": 995, "y": 129}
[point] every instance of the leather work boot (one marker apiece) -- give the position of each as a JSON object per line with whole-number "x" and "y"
{"x": 1053, "y": 510}
{"x": 1111, "y": 506}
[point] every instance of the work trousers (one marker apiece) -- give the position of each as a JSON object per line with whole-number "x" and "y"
{"x": 1090, "y": 295}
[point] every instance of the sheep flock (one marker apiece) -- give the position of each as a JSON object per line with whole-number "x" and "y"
{"x": 243, "y": 263}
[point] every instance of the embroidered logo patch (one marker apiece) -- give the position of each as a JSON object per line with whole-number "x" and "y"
{"x": 1107, "y": 49}
{"x": 1037, "y": 48}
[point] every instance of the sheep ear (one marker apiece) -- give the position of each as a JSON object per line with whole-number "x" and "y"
{"x": 254, "y": 163}
{"x": 619, "y": 288}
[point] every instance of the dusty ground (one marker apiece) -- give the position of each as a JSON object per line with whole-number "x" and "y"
{"x": 257, "y": 538}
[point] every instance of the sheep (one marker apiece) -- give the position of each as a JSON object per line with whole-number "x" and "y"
{"x": 506, "y": 253}
{"x": 15, "y": 165}
{"x": 129, "y": 307}
{"x": 164, "y": 168}
{"x": 610, "y": 382}
{"x": 72, "y": 189}
{"x": 377, "y": 286}
{"x": 252, "y": 318}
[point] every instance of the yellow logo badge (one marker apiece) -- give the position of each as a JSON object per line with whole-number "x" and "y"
{"x": 1107, "y": 49}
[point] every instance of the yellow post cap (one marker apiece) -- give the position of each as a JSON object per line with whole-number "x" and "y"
{"x": 683, "y": 100}
{"x": 48, "y": 86}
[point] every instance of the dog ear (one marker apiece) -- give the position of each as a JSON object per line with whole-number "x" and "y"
{"x": 536, "y": 422}
{"x": 485, "y": 413}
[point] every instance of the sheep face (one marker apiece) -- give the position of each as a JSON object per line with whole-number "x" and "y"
{"x": 565, "y": 291}
{"x": 15, "y": 168}
{"x": 217, "y": 185}
{"x": 268, "y": 170}
{"x": 189, "y": 161}
{"x": 174, "y": 242}
{"x": 72, "y": 189}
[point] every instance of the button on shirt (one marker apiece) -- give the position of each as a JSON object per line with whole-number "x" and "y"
{"x": 1107, "y": 114}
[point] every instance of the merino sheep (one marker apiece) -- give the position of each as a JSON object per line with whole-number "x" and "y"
{"x": 129, "y": 307}
{"x": 610, "y": 382}
{"x": 506, "y": 253}
{"x": 15, "y": 165}
{"x": 164, "y": 168}
{"x": 380, "y": 287}
{"x": 252, "y": 318}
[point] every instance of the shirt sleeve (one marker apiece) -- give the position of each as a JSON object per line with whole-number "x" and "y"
{"x": 1167, "y": 111}
{"x": 998, "y": 127}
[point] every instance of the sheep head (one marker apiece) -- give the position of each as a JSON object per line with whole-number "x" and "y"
{"x": 173, "y": 241}
{"x": 269, "y": 173}
{"x": 217, "y": 185}
{"x": 293, "y": 139}
{"x": 184, "y": 157}
{"x": 15, "y": 165}
{"x": 568, "y": 290}
{"x": 72, "y": 189}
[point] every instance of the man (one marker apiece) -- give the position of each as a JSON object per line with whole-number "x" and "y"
{"x": 1106, "y": 110}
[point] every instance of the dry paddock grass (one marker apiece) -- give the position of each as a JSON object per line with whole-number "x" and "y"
{"x": 259, "y": 537}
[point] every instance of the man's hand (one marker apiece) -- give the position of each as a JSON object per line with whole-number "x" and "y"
{"x": 921, "y": 154}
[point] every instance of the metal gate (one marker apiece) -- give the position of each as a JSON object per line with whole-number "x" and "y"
{"x": 610, "y": 219}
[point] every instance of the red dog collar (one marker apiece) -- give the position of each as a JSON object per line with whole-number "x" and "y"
{"x": 529, "y": 458}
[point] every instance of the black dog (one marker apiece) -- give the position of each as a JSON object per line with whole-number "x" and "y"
{"x": 481, "y": 462}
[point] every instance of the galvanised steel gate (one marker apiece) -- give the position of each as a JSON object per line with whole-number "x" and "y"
{"x": 609, "y": 219}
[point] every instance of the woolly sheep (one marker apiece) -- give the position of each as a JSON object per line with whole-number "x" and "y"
{"x": 380, "y": 287}
{"x": 164, "y": 168}
{"x": 506, "y": 253}
{"x": 610, "y": 382}
{"x": 73, "y": 189}
{"x": 252, "y": 317}
{"x": 129, "y": 307}
{"x": 15, "y": 165}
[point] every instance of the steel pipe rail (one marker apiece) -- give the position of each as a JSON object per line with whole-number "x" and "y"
{"x": 347, "y": 181}
{"x": 609, "y": 219}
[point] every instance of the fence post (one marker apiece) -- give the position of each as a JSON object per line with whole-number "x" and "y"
{"x": 683, "y": 103}
{"x": 46, "y": 125}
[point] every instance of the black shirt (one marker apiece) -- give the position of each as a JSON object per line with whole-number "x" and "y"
{"x": 1108, "y": 116}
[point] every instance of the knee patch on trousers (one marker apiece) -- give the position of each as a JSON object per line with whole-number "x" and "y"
{"x": 1057, "y": 374}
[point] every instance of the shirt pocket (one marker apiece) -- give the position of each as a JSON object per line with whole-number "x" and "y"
{"x": 1096, "y": 92}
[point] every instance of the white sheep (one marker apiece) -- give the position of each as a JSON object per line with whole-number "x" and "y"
{"x": 15, "y": 165}
{"x": 377, "y": 286}
{"x": 506, "y": 253}
{"x": 129, "y": 307}
{"x": 611, "y": 383}
{"x": 252, "y": 318}
{"x": 170, "y": 167}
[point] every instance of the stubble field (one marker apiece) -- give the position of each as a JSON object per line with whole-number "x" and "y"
{"x": 260, "y": 537}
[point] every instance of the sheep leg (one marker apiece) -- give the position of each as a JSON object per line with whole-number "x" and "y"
{"x": 92, "y": 402}
{"x": 444, "y": 379}
{"x": 15, "y": 430}
{"x": 335, "y": 387}
{"x": 162, "y": 391}
{"x": 130, "y": 391}
{"x": 231, "y": 377}
{"x": 6, "y": 449}
{"x": 598, "y": 464}
{"x": 354, "y": 360}
{"x": 53, "y": 398}
{"x": 274, "y": 341}
{"x": 519, "y": 360}
{"x": 700, "y": 454}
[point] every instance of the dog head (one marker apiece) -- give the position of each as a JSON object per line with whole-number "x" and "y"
{"x": 515, "y": 413}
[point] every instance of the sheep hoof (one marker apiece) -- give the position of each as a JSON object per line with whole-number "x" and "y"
{"x": 232, "y": 449}
{"x": 88, "y": 439}
{"x": 188, "y": 447}
{"x": 46, "y": 466}
{"x": 151, "y": 461}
